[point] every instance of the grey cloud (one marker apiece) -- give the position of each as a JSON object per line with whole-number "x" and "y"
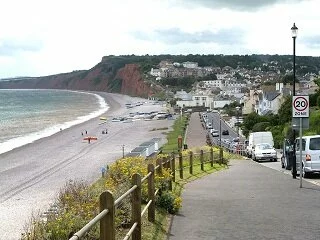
{"x": 241, "y": 5}
{"x": 12, "y": 47}
{"x": 176, "y": 36}
{"x": 312, "y": 41}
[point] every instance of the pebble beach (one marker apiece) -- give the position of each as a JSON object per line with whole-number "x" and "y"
{"x": 32, "y": 175}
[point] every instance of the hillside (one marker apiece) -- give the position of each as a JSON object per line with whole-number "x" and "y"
{"x": 126, "y": 74}
{"x": 108, "y": 76}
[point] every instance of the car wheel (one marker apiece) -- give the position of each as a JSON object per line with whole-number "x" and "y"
{"x": 275, "y": 159}
{"x": 304, "y": 173}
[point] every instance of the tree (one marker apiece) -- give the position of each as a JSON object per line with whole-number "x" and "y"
{"x": 289, "y": 79}
{"x": 285, "y": 110}
{"x": 260, "y": 126}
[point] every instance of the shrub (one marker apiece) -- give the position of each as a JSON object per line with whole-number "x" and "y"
{"x": 168, "y": 201}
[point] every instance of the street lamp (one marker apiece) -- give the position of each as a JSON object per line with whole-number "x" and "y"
{"x": 294, "y": 33}
{"x": 238, "y": 112}
{"x": 220, "y": 148}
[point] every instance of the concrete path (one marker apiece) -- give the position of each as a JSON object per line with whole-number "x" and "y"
{"x": 196, "y": 135}
{"x": 248, "y": 201}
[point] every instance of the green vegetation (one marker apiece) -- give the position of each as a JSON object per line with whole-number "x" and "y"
{"x": 280, "y": 124}
{"x": 179, "y": 129}
{"x": 115, "y": 85}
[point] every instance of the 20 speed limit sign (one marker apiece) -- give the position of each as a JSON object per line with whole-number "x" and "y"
{"x": 300, "y": 106}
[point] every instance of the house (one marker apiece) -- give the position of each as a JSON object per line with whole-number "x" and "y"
{"x": 183, "y": 95}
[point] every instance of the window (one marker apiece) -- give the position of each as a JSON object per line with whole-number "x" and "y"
{"x": 314, "y": 144}
{"x": 197, "y": 98}
{"x": 303, "y": 145}
{"x": 204, "y": 98}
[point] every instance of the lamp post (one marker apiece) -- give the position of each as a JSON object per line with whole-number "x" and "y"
{"x": 220, "y": 132}
{"x": 238, "y": 112}
{"x": 294, "y": 33}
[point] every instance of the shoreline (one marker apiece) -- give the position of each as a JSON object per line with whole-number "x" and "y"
{"x": 31, "y": 175}
{"x": 50, "y": 130}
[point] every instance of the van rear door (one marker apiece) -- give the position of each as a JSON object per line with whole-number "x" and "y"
{"x": 314, "y": 150}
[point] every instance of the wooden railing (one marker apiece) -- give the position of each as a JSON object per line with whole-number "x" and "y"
{"x": 108, "y": 205}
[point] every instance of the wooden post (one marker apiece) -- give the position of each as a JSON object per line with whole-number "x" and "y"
{"x": 151, "y": 191}
{"x": 201, "y": 160}
{"x": 173, "y": 168}
{"x": 221, "y": 155}
{"x": 159, "y": 169}
{"x": 211, "y": 156}
{"x": 191, "y": 162}
{"x": 170, "y": 170}
{"x": 107, "y": 228}
{"x": 136, "y": 206}
{"x": 180, "y": 165}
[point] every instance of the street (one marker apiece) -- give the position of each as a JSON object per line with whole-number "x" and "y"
{"x": 315, "y": 179}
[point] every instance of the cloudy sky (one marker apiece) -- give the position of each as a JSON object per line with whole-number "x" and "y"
{"x": 42, "y": 37}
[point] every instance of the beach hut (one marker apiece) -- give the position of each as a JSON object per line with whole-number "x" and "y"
{"x": 157, "y": 143}
{"x": 133, "y": 154}
{"x": 141, "y": 150}
{"x": 151, "y": 147}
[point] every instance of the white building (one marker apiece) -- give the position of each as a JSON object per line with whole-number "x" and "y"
{"x": 155, "y": 72}
{"x": 190, "y": 64}
{"x": 214, "y": 83}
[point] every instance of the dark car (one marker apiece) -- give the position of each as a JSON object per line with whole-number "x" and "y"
{"x": 225, "y": 132}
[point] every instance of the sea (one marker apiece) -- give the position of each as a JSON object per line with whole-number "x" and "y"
{"x": 29, "y": 115}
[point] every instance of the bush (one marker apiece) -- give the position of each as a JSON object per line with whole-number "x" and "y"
{"x": 168, "y": 201}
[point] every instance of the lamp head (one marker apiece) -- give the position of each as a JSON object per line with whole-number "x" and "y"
{"x": 294, "y": 31}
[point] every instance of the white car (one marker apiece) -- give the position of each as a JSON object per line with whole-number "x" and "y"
{"x": 263, "y": 152}
{"x": 214, "y": 133}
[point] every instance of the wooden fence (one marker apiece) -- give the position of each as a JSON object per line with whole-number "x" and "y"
{"x": 108, "y": 205}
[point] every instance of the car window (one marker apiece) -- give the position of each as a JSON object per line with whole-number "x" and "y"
{"x": 303, "y": 145}
{"x": 314, "y": 144}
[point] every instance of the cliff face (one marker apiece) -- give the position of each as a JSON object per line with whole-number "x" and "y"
{"x": 105, "y": 76}
{"x": 132, "y": 82}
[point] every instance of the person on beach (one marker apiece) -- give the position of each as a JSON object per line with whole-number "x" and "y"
{"x": 86, "y": 132}
{"x": 81, "y": 133}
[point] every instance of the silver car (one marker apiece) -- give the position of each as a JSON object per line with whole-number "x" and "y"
{"x": 310, "y": 154}
{"x": 263, "y": 152}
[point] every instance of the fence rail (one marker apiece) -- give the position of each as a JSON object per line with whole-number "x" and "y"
{"x": 108, "y": 205}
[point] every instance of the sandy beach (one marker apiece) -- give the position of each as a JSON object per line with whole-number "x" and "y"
{"x": 31, "y": 176}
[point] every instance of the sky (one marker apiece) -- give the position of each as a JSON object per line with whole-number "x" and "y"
{"x": 42, "y": 37}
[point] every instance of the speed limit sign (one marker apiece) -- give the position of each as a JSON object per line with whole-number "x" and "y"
{"x": 300, "y": 106}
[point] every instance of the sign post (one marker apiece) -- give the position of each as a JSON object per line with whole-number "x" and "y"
{"x": 300, "y": 109}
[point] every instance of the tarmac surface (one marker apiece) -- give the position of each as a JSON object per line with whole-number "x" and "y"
{"x": 246, "y": 201}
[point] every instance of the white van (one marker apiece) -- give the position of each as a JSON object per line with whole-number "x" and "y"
{"x": 310, "y": 154}
{"x": 257, "y": 138}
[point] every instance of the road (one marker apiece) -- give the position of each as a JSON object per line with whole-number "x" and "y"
{"x": 315, "y": 179}
{"x": 214, "y": 119}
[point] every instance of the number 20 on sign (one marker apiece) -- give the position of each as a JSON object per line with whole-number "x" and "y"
{"x": 300, "y": 106}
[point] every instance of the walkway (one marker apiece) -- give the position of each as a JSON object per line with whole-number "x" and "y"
{"x": 196, "y": 135}
{"x": 246, "y": 201}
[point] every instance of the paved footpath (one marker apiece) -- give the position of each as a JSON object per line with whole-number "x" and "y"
{"x": 246, "y": 201}
{"x": 196, "y": 135}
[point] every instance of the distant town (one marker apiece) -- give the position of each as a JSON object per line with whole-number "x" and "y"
{"x": 256, "y": 90}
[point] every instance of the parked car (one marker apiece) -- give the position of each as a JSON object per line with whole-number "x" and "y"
{"x": 310, "y": 155}
{"x": 225, "y": 132}
{"x": 256, "y": 138}
{"x": 263, "y": 152}
{"x": 287, "y": 147}
{"x": 215, "y": 133}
